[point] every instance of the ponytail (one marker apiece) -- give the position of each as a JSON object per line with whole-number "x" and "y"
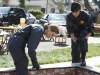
{"x": 46, "y": 25}
{"x": 53, "y": 27}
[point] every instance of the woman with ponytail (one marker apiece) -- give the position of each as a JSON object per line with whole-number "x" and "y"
{"x": 30, "y": 36}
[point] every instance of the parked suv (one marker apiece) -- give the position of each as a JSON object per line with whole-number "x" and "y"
{"x": 11, "y": 15}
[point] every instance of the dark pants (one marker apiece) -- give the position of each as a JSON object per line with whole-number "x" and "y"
{"x": 17, "y": 51}
{"x": 81, "y": 46}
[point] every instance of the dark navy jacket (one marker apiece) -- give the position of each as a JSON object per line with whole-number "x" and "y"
{"x": 81, "y": 25}
{"x": 30, "y": 35}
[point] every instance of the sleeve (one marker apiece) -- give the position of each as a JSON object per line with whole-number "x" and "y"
{"x": 69, "y": 25}
{"x": 35, "y": 37}
{"x": 90, "y": 24}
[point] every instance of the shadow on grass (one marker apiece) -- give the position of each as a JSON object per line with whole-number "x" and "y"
{"x": 46, "y": 41}
{"x": 61, "y": 45}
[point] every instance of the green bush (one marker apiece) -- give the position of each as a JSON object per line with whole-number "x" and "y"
{"x": 38, "y": 17}
{"x": 37, "y": 13}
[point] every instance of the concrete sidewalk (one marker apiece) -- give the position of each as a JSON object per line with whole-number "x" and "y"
{"x": 94, "y": 40}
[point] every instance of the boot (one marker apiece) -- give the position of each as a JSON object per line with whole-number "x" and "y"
{"x": 35, "y": 65}
{"x": 83, "y": 63}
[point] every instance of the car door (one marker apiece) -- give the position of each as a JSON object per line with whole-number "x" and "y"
{"x": 17, "y": 16}
{"x": 22, "y": 13}
{"x": 13, "y": 16}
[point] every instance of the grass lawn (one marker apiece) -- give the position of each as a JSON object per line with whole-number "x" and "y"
{"x": 53, "y": 56}
{"x": 96, "y": 34}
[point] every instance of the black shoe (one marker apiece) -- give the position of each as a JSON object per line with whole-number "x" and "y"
{"x": 83, "y": 63}
{"x": 35, "y": 65}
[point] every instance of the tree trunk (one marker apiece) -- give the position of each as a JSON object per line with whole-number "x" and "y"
{"x": 87, "y": 5}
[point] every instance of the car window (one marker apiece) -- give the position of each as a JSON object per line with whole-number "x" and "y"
{"x": 56, "y": 17}
{"x": 4, "y": 10}
{"x": 12, "y": 11}
{"x": 31, "y": 15}
{"x": 27, "y": 15}
{"x": 16, "y": 11}
{"x": 21, "y": 11}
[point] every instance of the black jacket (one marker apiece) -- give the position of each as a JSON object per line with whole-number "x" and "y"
{"x": 81, "y": 25}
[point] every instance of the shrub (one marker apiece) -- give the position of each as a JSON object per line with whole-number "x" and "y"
{"x": 37, "y": 13}
{"x": 38, "y": 17}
